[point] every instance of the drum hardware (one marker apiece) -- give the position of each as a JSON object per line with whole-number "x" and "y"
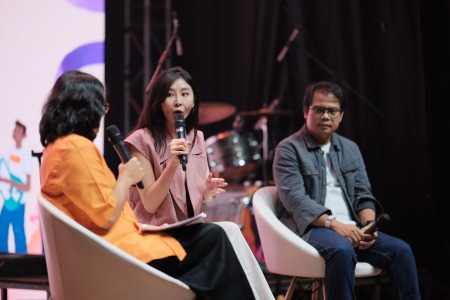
{"x": 261, "y": 124}
{"x": 234, "y": 205}
{"x": 238, "y": 123}
{"x": 267, "y": 112}
{"x": 230, "y": 205}
{"x": 235, "y": 154}
{"x": 211, "y": 112}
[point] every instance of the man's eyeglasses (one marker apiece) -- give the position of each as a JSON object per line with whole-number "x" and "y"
{"x": 106, "y": 107}
{"x": 319, "y": 111}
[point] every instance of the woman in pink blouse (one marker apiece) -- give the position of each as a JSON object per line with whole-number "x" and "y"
{"x": 172, "y": 191}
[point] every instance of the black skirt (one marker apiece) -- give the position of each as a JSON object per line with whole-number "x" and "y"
{"x": 211, "y": 268}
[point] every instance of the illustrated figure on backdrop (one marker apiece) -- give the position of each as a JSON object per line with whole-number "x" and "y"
{"x": 76, "y": 178}
{"x": 15, "y": 181}
{"x": 168, "y": 190}
{"x": 326, "y": 199}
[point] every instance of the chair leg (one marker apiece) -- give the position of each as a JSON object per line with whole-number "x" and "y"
{"x": 318, "y": 289}
{"x": 324, "y": 291}
{"x": 315, "y": 289}
{"x": 291, "y": 289}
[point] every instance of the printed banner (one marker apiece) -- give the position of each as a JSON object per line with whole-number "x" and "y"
{"x": 40, "y": 40}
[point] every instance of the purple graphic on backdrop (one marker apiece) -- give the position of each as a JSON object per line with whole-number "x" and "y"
{"x": 88, "y": 54}
{"x": 94, "y": 5}
{"x": 84, "y": 55}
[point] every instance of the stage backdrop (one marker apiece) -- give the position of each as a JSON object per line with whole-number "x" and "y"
{"x": 39, "y": 41}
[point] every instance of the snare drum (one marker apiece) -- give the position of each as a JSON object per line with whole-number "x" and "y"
{"x": 233, "y": 155}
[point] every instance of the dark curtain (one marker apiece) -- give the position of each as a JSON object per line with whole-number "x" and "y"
{"x": 229, "y": 47}
{"x": 390, "y": 57}
{"x": 435, "y": 36}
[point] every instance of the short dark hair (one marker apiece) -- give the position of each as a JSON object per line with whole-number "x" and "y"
{"x": 20, "y": 124}
{"x": 323, "y": 87}
{"x": 75, "y": 104}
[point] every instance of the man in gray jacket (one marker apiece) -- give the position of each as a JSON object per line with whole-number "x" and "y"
{"x": 326, "y": 199}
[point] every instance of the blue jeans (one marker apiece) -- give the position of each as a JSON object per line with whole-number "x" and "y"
{"x": 390, "y": 254}
{"x": 16, "y": 219}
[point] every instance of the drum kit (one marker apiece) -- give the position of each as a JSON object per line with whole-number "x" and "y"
{"x": 235, "y": 155}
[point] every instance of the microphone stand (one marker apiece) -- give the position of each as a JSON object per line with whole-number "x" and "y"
{"x": 162, "y": 58}
{"x": 344, "y": 83}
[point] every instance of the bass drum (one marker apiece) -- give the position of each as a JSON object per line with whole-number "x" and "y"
{"x": 233, "y": 155}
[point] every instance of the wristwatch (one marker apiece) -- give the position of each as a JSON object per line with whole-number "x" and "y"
{"x": 329, "y": 220}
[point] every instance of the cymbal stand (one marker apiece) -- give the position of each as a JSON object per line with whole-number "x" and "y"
{"x": 262, "y": 121}
{"x": 261, "y": 124}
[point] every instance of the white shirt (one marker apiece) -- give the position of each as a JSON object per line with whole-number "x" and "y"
{"x": 335, "y": 199}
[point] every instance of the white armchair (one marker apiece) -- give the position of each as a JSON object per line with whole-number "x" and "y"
{"x": 82, "y": 265}
{"x": 285, "y": 253}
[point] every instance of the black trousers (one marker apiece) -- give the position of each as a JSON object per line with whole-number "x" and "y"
{"x": 211, "y": 268}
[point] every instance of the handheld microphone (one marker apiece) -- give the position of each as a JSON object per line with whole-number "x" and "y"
{"x": 285, "y": 49}
{"x": 176, "y": 26}
{"x": 379, "y": 223}
{"x": 180, "y": 127}
{"x": 116, "y": 139}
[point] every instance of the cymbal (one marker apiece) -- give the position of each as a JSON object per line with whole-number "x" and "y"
{"x": 211, "y": 112}
{"x": 266, "y": 112}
